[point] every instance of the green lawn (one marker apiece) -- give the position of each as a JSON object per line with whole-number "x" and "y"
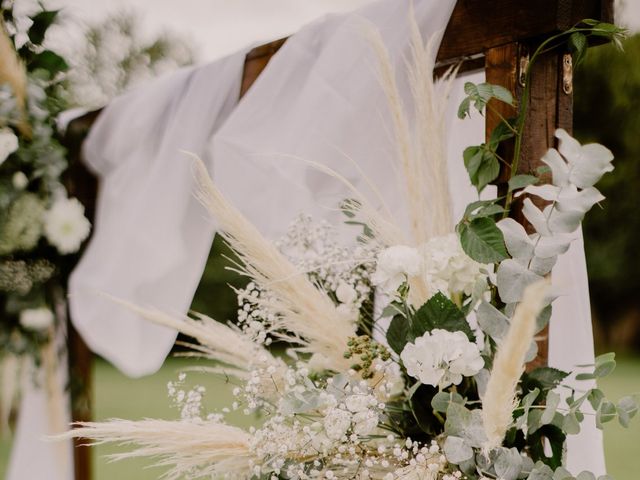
{"x": 120, "y": 397}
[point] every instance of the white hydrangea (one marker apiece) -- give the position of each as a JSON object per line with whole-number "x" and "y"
{"x": 65, "y": 225}
{"x": 36, "y": 319}
{"x": 447, "y": 268}
{"x": 8, "y": 143}
{"x": 441, "y": 358}
{"x": 394, "y": 265}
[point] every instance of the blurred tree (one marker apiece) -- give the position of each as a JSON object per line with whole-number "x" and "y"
{"x": 115, "y": 58}
{"x": 607, "y": 110}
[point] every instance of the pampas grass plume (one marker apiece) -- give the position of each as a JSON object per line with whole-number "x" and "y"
{"x": 500, "y": 397}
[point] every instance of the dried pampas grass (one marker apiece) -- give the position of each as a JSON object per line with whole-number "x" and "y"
{"x": 219, "y": 342}
{"x": 509, "y": 363}
{"x": 14, "y": 74}
{"x": 421, "y": 149}
{"x": 195, "y": 449}
{"x": 304, "y": 310}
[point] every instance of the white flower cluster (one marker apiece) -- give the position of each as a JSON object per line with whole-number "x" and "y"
{"x": 441, "y": 358}
{"x": 65, "y": 225}
{"x": 441, "y": 262}
{"x": 36, "y": 319}
{"x": 8, "y": 143}
{"x": 342, "y": 271}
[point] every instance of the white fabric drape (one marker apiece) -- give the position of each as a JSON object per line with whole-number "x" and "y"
{"x": 151, "y": 238}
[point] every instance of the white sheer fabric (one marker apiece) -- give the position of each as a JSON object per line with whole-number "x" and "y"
{"x": 151, "y": 237}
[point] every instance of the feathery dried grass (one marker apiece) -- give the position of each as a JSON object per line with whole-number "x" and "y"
{"x": 14, "y": 73}
{"x": 191, "y": 449}
{"x": 303, "y": 309}
{"x": 509, "y": 363}
{"x": 219, "y": 342}
{"x": 9, "y": 374}
{"x": 421, "y": 150}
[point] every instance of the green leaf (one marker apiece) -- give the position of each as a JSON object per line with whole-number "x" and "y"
{"x": 440, "y": 312}
{"x": 456, "y": 450}
{"x": 544, "y": 378}
{"x": 488, "y": 170}
{"x": 571, "y": 425}
{"x": 577, "y": 47}
{"x": 398, "y": 333}
{"x": 483, "y": 241}
{"x": 503, "y": 131}
{"x": 441, "y": 400}
{"x": 605, "y": 413}
{"x": 553, "y": 400}
{"x": 463, "y": 109}
{"x": 521, "y": 181}
{"x": 508, "y": 464}
{"x": 627, "y": 408}
{"x": 49, "y": 61}
{"x": 41, "y": 23}
{"x": 605, "y": 364}
{"x": 595, "y": 398}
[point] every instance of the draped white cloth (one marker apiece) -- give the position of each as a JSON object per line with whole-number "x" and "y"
{"x": 318, "y": 99}
{"x": 151, "y": 238}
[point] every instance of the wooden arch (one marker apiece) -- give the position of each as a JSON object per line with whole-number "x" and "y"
{"x": 497, "y": 39}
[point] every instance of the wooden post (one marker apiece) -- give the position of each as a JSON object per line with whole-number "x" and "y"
{"x": 495, "y": 35}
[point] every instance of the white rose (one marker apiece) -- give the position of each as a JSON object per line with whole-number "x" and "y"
{"x": 394, "y": 265}
{"x": 19, "y": 181}
{"x": 336, "y": 423}
{"x": 8, "y": 143}
{"x": 36, "y": 319}
{"x": 441, "y": 358}
{"x": 65, "y": 225}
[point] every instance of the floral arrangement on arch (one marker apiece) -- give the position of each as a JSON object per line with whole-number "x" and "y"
{"x": 41, "y": 228}
{"x": 441, "y": 392}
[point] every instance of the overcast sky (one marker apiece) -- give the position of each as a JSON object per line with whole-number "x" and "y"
{"x": 218, "y": 27}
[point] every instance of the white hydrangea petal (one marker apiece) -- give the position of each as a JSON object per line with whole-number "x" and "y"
{"x": 518, "y": 242}
{"x": 536, "y": 217}
{"x": 559, "y": 168}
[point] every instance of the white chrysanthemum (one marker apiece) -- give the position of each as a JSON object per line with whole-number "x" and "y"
{"x": 36, "y": 319}
{"x": 65, "y": 225}
{"x": 447, "y": 268}
{"x": 394, "y": 265}
{"x": 441, "y": 358}
{"x": 8, "y": 143}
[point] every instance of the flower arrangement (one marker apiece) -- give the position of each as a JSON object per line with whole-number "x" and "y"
{"x": 443, "y": 391}
{"x": 40, "y": 226}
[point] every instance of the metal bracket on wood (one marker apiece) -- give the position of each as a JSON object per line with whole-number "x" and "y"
{"x": 523, "y": 65}
{"x": 567, "y": 74}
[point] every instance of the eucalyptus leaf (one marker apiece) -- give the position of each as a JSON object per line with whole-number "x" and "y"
{"x": 586, "y": 476}
{"x": 512, "y": 279}
{"x": 553, "y": 400}
{"x": 492, "y": 321}
{"x": 516, "y": 239}
{"x": 441, "y": 400}
{"x": 456, "y": 450}
{"x": 508, "y": 464}
{"x": 627, "y": 408}
{"x": 605, "y": 413}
